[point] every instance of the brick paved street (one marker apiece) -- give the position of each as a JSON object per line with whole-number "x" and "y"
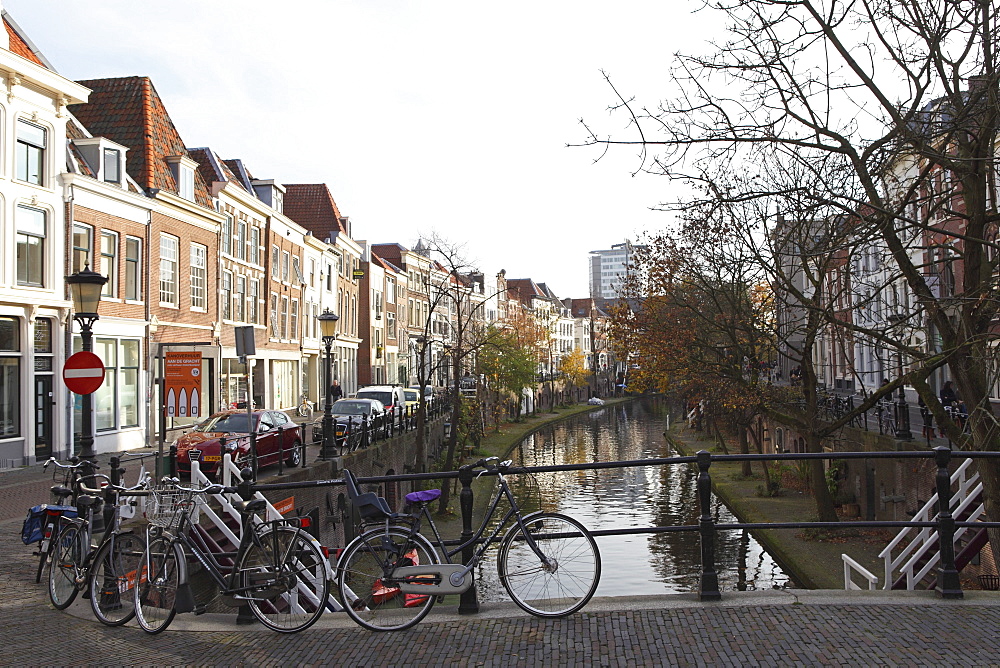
{"x": 746, "y": 629}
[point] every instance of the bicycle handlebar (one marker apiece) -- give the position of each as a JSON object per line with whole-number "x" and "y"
{"x": 211, "y": 489}
{"x": 488, "y": 464}
{"x": 53, "y": 460}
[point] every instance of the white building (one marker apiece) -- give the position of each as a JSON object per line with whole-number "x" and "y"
{"x": 608, "y": 270}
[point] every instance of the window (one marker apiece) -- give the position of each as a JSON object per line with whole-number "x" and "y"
{"x": 240, "y": 298}
{"x": 227, "y": 236}
{"x": 274, "y": 315}
{"x": 390, "y": 291}
{"x": 252, "y": 301}
{"x": 30, "y": 246}
{"x": 284, "y": 267}
{"x": 112, "y": 165}
{"x": 329, "y": 278}
{"x": 241, "y": 240}
{"x": 227, "y": 295}
{"x": 116, "y": 402}
{"x": 10, "y": 377}
{"x": 312, "y": 273}
{"x": 109, "y": 263}
{"x": 133, "y": 268}
{"x": 185, "y": 185}
{"x": 199, "y": 279}
{"x": 168, "y": 269}
{"x": 253, "y": 252}
{"x": 297, "y": 270}
{"x": 295, "y": 319}
{"x": 275, "y": 255}
{"x": 284, "y": 317}
{"x": 83, "y": 244}
{"x": 390, "y": 325}
{"x": 30, "y": 152}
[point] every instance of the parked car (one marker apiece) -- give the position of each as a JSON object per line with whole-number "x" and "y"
{"x": 412, "y": 397}
{"x": 428, "y": 393}
{"x": 391, "y": 396}
{"x": 227, "y": 432}
{"x": 350, "y": 414}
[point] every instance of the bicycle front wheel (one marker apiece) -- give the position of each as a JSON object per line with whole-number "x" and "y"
{"x": 64, "y": 566}
{"x": 285, "y": 576}
{"x": 156, "y": 589}
{"x": 364, "y": 571}
{"x": 112, "y": 579}
{"x": 565, "y": 580}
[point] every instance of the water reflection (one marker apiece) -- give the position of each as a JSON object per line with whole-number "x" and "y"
{"x": 636, "y": 497}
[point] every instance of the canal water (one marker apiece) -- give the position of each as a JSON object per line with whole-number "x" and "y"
{"x": 635, "y": 497}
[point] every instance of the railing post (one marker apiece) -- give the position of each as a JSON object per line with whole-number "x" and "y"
{"x": 469, "y": 603}
{"x": 948, "y": 583}
{"x": 709, "y": 576}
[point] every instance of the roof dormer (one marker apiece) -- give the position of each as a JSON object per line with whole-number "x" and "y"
{"x": 105, "y": 158}
{"x": 270, "y": 193}
{"x": 183, "y": 168}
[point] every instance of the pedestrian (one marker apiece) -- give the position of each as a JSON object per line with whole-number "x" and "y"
{"x": 925, "y": 413}
{"x": 335, "y": 391}
{"x": 948, "y": 396}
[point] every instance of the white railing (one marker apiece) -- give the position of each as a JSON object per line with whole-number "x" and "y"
{"x": 917, "y": 543}
{"x": 229, "y": 471}
{"x": 850, "y": 567}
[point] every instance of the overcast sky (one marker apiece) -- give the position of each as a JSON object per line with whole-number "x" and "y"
{"x": 446, "y": 117}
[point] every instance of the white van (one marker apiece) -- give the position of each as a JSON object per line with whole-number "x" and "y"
{"x": 391, "y": 396}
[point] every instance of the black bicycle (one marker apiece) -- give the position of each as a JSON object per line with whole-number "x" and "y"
{"x": 278, "y": 570}
{"x": 107, "y": 571}
{"x": 389, "y": 577}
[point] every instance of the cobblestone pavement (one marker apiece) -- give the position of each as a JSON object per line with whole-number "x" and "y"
{"x": 745, "y": 629}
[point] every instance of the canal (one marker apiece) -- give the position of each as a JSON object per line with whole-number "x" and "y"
{"x": 635, "y": 497}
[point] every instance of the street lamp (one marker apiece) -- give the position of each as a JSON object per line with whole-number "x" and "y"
{"x": 328, "y": 326}
{"x": 86, "y": 287}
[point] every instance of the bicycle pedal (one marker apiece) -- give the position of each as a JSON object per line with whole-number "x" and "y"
{"x": 200, "y": 609}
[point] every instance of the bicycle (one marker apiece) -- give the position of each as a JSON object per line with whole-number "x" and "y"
{"x": 278, "y": 569}
{"x": 65, "y": 494}
{"x": 104, "y": 571}
{"x": 388, "y": 578}
{"x": 886, "y": 418}
{"x": 305, "y": 408}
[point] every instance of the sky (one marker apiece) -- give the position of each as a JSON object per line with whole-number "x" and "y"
{"x": 432, "y": 117}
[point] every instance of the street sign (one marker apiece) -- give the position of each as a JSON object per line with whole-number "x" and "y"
{"x": 83, "y": 372}
{"x": 182, "y": 373}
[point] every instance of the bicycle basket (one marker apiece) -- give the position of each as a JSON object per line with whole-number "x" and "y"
{"x": 168, "y": 507}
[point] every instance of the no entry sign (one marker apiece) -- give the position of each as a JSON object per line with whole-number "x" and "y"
{"x": 83, "y": 372}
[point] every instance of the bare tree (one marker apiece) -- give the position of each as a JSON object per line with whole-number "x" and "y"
{"x": 899, "y": 101}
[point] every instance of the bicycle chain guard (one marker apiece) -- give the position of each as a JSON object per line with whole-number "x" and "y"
{"x": 414, "y": 579}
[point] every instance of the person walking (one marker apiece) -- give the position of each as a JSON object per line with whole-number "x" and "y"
{"x": 336, "y": 391}
{"x": 948, "y": 395}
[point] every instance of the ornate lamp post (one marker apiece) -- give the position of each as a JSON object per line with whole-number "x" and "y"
{"x": 328, "y": 326}
{"x": 86, "y": 287}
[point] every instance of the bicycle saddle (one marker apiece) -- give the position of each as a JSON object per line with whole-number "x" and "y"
{"x": 423, "y": 496}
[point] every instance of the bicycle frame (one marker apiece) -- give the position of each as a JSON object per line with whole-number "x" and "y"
{"x": 228, "y": 584}
{"x": 457, "y": 582}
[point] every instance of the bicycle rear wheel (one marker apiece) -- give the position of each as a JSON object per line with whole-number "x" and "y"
{"x": 287, "y": 573}
{"x": 156, "y": 589}
{"x": 367, "y": 597}
{"x": 564, "y": 584}
{"x": 112, "y": 579}
{"x": 64, "y": 566}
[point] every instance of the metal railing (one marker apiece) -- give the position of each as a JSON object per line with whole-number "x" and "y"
{"x": 945, "y": 524}
{"x": 356, "y": 432}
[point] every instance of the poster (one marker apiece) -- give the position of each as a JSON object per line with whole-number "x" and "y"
{"x": 182, "y": 387}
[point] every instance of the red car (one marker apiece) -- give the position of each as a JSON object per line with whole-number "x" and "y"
{"x": 227, "y": 432}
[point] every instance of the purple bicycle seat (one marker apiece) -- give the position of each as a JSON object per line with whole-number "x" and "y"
{"x": 423, "y": 496}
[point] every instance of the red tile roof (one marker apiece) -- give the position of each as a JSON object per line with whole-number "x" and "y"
{"x": 311, "y": 205}
{"x": 129, "y": 111}
{"x": 20, "y": 47}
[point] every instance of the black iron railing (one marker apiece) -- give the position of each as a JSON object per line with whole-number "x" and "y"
{"x": 948, "y": 584}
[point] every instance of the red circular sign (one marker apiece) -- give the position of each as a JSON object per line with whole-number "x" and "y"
{"x": 83, "y": 373}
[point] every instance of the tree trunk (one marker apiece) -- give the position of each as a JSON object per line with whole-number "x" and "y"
{"x": 824, "y": 500}
{"x": 744, "y": 449}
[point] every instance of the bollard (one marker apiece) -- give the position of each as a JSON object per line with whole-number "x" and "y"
{"x": 948, "y": 583}
{"x": 709, "y": 576}
{"x": 469, "y": 603}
